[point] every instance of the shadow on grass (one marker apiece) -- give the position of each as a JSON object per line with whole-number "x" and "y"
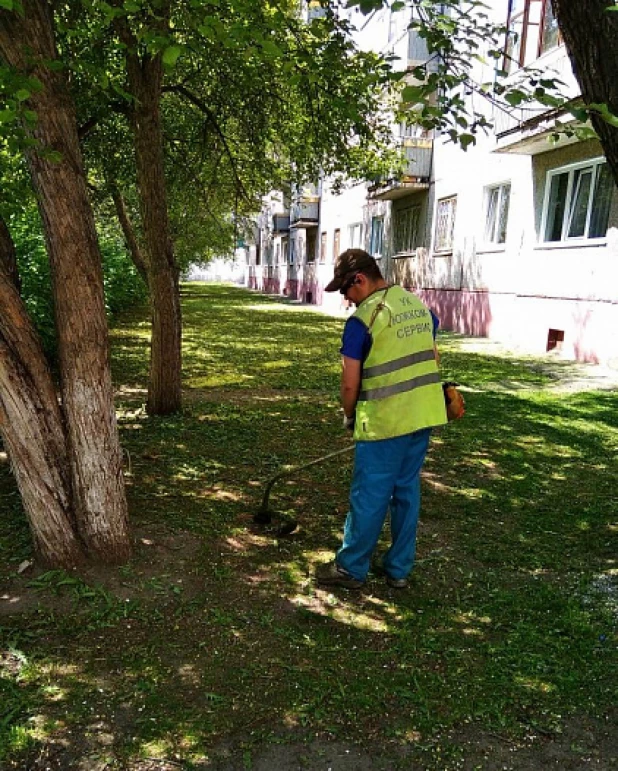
{"x": 215, "y": 633}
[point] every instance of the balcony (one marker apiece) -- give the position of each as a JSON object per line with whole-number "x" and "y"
{"x": 305, "y": 212}
{"x": 526, "y": 130}
{"x": 416, "y": 174}
{"x": 281, "y": 223}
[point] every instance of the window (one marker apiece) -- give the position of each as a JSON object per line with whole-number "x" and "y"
{"x": 496, "y": 213}
{"x": 355, "y": 235}
{"x": 550, "y": 34}
{"x": 336, "y": 244}
{"x": 284, "y": 251}
{"x": 311, "y": 244}
{"x": 405, "y": 224}
{"x": 577, "y": 201}
{"x": 532, "y": 29}
{"x": 291, "y": 251}
{"x": 323, "y": 247}
{"x": 445, "y": 224}
{"x": 277, "y": 254}
{"x": 377, "y": 236}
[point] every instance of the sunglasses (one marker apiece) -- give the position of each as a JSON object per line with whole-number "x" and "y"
{"x": 349, "y": 283}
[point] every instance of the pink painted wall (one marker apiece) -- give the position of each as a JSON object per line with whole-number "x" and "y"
{"x": 525, "y": 322}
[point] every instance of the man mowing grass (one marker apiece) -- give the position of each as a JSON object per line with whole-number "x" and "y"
{"x": 392, "y": 397}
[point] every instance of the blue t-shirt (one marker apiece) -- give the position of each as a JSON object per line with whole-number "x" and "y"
{"x": 356, "y": 340}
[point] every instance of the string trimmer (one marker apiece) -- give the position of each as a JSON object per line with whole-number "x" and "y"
{"x": 264, "y": 515}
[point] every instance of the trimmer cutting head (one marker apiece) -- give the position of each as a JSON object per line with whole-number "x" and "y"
{"x": 281, "y": 523}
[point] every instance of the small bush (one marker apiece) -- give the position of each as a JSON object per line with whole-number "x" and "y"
{"x": 123, "y": 286}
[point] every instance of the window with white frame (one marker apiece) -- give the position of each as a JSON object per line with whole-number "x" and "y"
{"x": 284, "y": 251}
{"x": 291, "y": 251}
{"x": 446, "y": 210}
{"x": 376, "y": 243}
{"x": 355, "y": 235}
{"x": 405, "y": 227}
{"x": 577, "y": 201}
{"x": 497, "y": 198}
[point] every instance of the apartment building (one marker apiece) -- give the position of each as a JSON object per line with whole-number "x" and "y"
{"x": 514, "y": 239}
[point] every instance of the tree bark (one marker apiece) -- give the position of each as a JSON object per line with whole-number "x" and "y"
{"x": 8, "y": 256}
{"x": 32, "y": 429}
{"x": 99, "y": 501}
{"x": 145, "y": 78}
{"x": 590, "y": 33}
{"x": 133, "y": 247}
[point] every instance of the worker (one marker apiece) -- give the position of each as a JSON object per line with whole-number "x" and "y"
{"x": 392, "y": 397}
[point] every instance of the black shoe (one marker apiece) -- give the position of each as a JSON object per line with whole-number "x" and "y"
{"x": 332, "y": 574}
{"x": 397, "y": 583}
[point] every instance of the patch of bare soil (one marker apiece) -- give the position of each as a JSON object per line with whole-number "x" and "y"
{"x": 161, "y": 558}
{"x": 584, "y": 743}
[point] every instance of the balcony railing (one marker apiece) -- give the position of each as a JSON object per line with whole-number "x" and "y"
{"x": 416, "y": 173}
{"x": 305, "y": 213}
{"x": 525, "y": 129}
{"x": 281, "y": 223}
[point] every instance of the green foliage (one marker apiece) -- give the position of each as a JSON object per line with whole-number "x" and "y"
{"x": 122, "y": 283}
{"x": 123, "y": 287}
{"x": 27, "y": 233}
{"x": 252, "y": 97}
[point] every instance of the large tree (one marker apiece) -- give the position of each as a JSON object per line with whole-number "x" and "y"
{"x": 69, "y": 454}
{"x": 144, "y": 69}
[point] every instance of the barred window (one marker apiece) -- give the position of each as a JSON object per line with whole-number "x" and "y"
{"x": 445, "y": 224}
{"x": 406, "y": 222}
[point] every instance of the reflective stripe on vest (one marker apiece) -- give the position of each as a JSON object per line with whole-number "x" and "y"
{"x": 399, "y": 388}
{"x": 393, "y": 366}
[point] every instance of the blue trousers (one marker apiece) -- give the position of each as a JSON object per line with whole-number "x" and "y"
{"x": 386, "y": 474}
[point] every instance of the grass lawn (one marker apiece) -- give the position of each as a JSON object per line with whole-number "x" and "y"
{"x": 214, "y": 646}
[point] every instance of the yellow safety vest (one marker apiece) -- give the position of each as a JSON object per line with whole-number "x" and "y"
{"x": 400, "y": 386}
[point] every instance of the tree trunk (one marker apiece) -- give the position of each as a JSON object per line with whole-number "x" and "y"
{"x": 590, "y": 32}
{"x": 128, "y": 232}
{"x": 32, "y": 430}
{"x": 8, "y": 256}
{"x": 145, "y": 76}
{"x": 99, "y": 499}
{"x": 164, "y": 393}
